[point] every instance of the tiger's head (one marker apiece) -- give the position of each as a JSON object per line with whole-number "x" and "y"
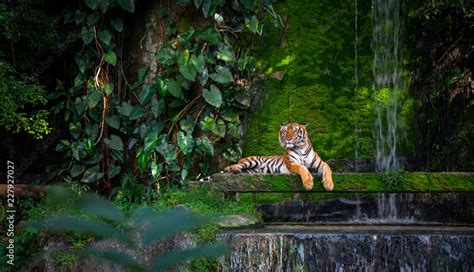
{"x": 293, "y": 135}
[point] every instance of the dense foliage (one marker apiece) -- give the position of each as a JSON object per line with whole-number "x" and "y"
{"x": 441, "y": 35}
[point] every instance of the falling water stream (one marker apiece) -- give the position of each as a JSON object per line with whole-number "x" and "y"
{"x": 387, "y": 72}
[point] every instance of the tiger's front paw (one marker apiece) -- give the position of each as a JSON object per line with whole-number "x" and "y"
{"x": 327, "y": 182}
{"x": 308, "y": 182}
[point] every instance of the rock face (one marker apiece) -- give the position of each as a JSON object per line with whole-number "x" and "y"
{"x": 400, "y": 208}
{"x": 327, "y": 248}
{"x": 177, "y": 242}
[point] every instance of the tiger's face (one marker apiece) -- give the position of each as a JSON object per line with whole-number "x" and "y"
{"x": 292, "y": 135}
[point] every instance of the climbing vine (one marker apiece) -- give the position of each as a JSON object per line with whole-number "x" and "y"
{"x": 164, "y": 126}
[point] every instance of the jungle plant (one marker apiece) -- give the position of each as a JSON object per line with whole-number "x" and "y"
{"x": 140, "y": 230}
{"x": 167, "y": 123}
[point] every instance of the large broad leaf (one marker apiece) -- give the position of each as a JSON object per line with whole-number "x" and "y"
{"x": 188, "y": 71}
{"x": 146, "y": 94}
{"x": 92, "y": 175}
{"x": 199, "y": 62}
{"x": 230, "y": 116}
{"x": 213, "y": 96}
{"x": 114, "y": 142}
{"x": 117, "y": 23}
{"x": 150, "y": 141}
{"x": 222, "y": 75}
{"x": 166, "y": 56}
{"x": 232, "y": 153}
{"x": 211, "y": 35}
{"x": 157, "y": 107}
{"x": 110, "y": 57}
{"x": 76, "y": 169}
{"x": 185, "y": 142}
{"x": 113, "y": 121}
{"x": 205, "y": 145}
{"x": 75, "y": 129}
{"x": 169, "y": 259}
{"x": 168, "y": 151}
{"x": 105, "y": 36}
{"x": 92, "y": 4}
{"x": 93, "y": 97}
{"x": 197, "y": 3}
{"x": 128, "y": 5}
{"x": 252, "y": 24}
{"x": 99, "y": 229}
{"x": 226, "y": 54}
{"x": 87, "y": 35}
{"x": 156, "y": 169}
{"x": 125, "y": 109}
{"x": 114, "y": 170}
{"x": 92, "y": 204}
{"x": 206, "y": 7}
{"x": 175, "y": 88}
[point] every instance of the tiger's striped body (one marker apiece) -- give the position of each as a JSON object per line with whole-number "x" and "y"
{"x": 300, "y": 158}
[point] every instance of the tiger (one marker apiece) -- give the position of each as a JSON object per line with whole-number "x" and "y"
{"x": 300, "y": 158}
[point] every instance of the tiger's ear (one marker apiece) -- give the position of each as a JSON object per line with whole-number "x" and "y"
{"x": 283, "y": 124}
{"x": 305, "y": 123}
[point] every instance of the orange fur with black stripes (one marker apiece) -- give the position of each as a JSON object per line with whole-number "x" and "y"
{"x": 300, "y": 158}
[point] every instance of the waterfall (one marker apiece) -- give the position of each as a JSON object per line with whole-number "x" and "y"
{"x": 387, "y": 71}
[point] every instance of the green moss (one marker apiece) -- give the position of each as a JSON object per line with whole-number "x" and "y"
{"x": 318, "y": 83}
{"x": 366, "y": 182}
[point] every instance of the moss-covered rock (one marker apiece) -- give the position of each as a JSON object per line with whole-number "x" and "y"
{"x": 367, "y": 182}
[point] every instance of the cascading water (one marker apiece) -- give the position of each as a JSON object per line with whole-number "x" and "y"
{"x": 387, "y": 71}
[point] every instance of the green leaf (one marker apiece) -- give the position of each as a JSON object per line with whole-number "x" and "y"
{"x": 150, "y": 142}
{"x": 117, "y": 23}
{"x": 104, "y": 5}
{"x": 188, "y": 71}
{"x": 174, "y": 88}
{"x": 168, "y": 151}
{"x": 212, "y": 96}
{"x": 93, "y": 97}
{"x": 166, "y": 56}
{"x": 75, "y": 129}
{"x": 230, "y": 116}
{"x": 162, "y": 86}
{"x": 206, "y": 7}
{"x": 146, "y": 94}
{"x": 211, "y": 35}
{"x": 198, "y": 62}
{"x": 205, "y": 145}
{"x": 92, "y": 19}
{"x": 232, "y": 153}
{"x": 89, "y": 146}
{"x": 141, "y": 158}
{"x": 110, "y": 57}
{"x": 252, "y": 24}
{"x": 113, "y": 170}
{"x": 128, "y": 5}
{"x": 222, "y": 75}
{"x": 92, "y": 175}
{"x": 92, "y": 130}
{"x": 105, "y": 36}
{"x": 76, "y": 170}
{"x": 220, "y": 128}
{"x": 197, "y": 3}
{"x": 92, "y": 204}
{"x": 248, "y": 4}
{"x": 187, "y": 124}
{"x": 185, "y": 142}
{"x": 87, "y": 35}
{"x": 114, "y": 142}
{"x": 226, "y": 54}
{"x": 113, "y": 121}
{"x": 156, "y": 169}
{"x": 92, "y": 4}
{"x": 108, "y": 89}
{"x": 234, "y": 130}
{"x": 157, "y": 107}
{"x": 204, "y": 77}
{"x": 125, "y": 109}
{"x": 137, "y": 112}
